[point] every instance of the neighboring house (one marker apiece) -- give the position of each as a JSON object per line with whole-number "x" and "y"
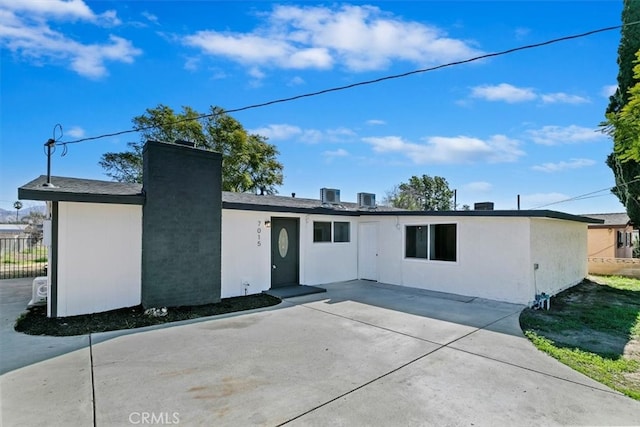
{"x": 12, "y": 231}
{"x": 178, "y": 240}
{"x": 613, "y": 238}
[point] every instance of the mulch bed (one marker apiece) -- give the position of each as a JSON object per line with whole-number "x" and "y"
{"x": 36, "y": 322}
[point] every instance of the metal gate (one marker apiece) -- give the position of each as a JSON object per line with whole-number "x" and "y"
{"x": 22, "y": 257}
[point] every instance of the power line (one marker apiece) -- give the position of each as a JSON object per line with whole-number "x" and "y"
{"x": 362, "y": 83}
{"x": 586, "y": 195}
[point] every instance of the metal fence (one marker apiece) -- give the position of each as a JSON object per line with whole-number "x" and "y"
{"x": 22, "y": 257}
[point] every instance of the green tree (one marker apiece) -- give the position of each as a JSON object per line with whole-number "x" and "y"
{"x": 249, "y": 162}
{"x": 422, "y": 193}
{"x": 624, "y": 124}
{"x": 34, "y": 229}
{"x": 626, "y": 169}
{"x": 629, "y": 45}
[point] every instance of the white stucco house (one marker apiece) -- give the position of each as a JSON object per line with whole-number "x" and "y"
{"x": 269, "y": 242}
{"x": 503, "y": 255}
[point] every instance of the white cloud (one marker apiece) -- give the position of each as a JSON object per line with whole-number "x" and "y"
{"x": 478, "y": 187}
{"x": 376, "y": 122}
{"x": 296, "y": 81}
{"x": 450, "y": 150}
{"x": 277, "y": 132}
{"x": 24, "y": 31}
{"x": 336, "y": 153}
{"x": 67, "y": 10}
{"x": 191, "y": 64}
{"x": 503, "y": 92}
{"x": 556, "y": 135}
{"x": 506, "y": 92}
{"x": 312, "y": 136}
{"x": 561, "y": 166}
{"x": 76, "y": 132}
{"x": 282, "y": 132}
{"x": 150, "y": 17}
{"x": 522, "y": 32}
{"x": 608, "y": 90}
{"x": 339, "y": 134}
{"x": 563, "y": 98}
{"x": 359, "y": 38}
{"x": 256, "y": 73}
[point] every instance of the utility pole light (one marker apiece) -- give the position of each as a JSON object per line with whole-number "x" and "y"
{"x": 17, "y": 206}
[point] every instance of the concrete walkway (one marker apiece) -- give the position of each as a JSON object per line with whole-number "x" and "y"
{"x": 362, "y": 354}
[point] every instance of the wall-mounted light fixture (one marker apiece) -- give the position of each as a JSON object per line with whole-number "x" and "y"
{"x": 267, "y": 224}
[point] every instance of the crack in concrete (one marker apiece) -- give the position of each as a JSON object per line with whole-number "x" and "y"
{"x": 441, "y": 346}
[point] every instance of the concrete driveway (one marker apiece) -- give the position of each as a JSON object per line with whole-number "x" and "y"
{"x": 361, "y": 354}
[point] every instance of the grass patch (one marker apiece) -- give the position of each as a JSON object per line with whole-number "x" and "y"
{"x": 594, "y": 328}
{"x": 608, "y": 371}
{"x": 36, "y": 322}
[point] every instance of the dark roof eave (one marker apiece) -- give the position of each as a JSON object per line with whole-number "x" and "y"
{"x": 286, "y": 209}
{"x": 325, "y": 211}
{"x": 53, "y": 196}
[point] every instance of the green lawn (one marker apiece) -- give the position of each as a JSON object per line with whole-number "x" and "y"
{"x": 594, "y": 328}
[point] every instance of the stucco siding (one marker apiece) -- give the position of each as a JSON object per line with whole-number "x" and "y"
{"x": 327, "y": 262}
{"x": 602, "y": 242}
{"x": 491, "y": 261}
{"x": 99, "y": 257}
{"x": 559, "y": 248}
{"x": 246, "y": 253}
{"x": 246, "y": 258}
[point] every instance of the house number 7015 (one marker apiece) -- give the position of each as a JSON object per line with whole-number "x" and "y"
{"x": 259, "y": 231}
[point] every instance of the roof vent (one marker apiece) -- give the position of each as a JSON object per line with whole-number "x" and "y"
{"x": 483, "y": 206}
{"x": 366, "y": 200}
{"x": 329, "y": 195}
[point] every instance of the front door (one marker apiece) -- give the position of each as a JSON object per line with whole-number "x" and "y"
{"x": 284, "y": 252}
{"x": 368, "y": 251}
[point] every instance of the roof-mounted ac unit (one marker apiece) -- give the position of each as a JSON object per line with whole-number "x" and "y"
{"x": 366, "y": 200}
{"x": 483, "y": 206}
{"x": 330, "y": 195}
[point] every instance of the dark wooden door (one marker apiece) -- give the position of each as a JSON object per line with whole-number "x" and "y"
{"x": 285, "y": 249}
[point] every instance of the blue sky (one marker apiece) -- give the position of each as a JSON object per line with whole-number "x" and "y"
{"x": 524, "y": 123}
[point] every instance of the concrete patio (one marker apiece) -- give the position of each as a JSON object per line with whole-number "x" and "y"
{"x": 362, "y": 353}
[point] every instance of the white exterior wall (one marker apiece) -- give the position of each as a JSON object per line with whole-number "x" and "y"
{"x": 244, "y": 261}
{"x": 560, "y": 249}
{"x": 492, "y": 258}
{"x": 99, "y": 257}
{"x": 327, "y": 262}
{"x": 495, "y": 255}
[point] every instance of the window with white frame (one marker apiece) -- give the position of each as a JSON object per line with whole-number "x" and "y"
{"x": 322, "y": 231}
{"x": 436, "y": 242}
